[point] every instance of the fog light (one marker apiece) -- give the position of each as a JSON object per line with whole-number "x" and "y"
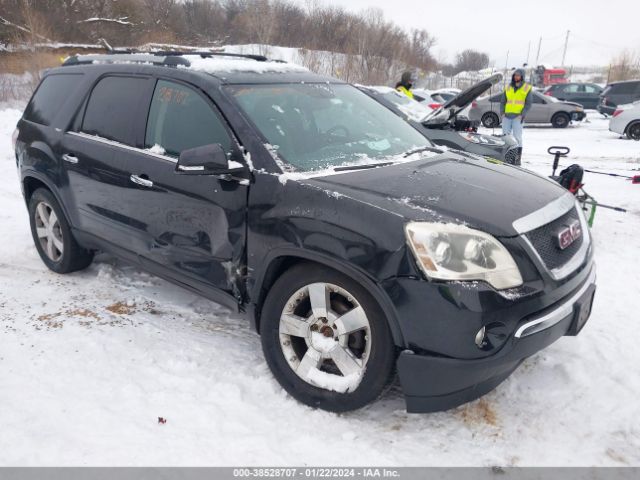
{"x": 480, "y": 337}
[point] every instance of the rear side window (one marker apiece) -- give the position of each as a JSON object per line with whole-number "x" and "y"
{"x": 53, "y": 91}
{"x": 538, "y": 99}
{"x": 625, "y": 88}
{"x": 180, "y": 119}
{"x": 112, "y": 108}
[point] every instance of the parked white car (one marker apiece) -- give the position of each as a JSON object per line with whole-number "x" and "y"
{"x": 626, "y": 120}
{"x": 428, "y": 97}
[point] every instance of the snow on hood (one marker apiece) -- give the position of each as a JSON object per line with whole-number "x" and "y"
{"x": 454, "y": 187}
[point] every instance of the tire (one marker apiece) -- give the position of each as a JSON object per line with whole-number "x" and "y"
{"x": 560, "y": 120}
{"x": 55, "y": 243}
{"x": 300, "y": 351}
{"x": 490, "y": 120}
{"x": 633, "y": 131}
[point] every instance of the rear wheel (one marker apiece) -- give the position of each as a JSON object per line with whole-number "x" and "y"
{"x": 52, "y": 235}
{"x": 560, "y": 120}
{"x": 326, "y": 340}
{"x": 490, "y": 120}
{"x": 633, "y": 131}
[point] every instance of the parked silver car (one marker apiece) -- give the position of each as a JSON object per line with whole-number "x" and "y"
{"x": 544, "y": 109}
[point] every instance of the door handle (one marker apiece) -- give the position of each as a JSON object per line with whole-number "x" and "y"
{"x": 145, "y": 182}
{"x": 69, "y": 158}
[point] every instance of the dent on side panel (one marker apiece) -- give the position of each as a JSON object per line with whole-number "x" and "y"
{"x": 312, "y": 220}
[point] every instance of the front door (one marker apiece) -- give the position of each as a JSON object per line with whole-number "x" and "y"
{"x": 539, "y": 113}
{"x": 190, "y": 226}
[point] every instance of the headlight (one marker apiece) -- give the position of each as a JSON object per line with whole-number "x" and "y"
{"x": 482, "y": 139}
{"x": 456, "y": 252}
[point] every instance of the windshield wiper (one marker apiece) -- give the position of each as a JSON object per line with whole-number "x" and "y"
{"x": 422, "y": 149}
{"x": 362, "y": 167}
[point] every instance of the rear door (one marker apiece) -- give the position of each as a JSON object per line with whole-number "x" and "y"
{"x": 189, "y": 227}
{"x": 591, "y": 96}
{"x": 91, "y": 154}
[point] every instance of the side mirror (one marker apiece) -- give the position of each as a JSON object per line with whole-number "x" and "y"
{"x": 207, "y": 159}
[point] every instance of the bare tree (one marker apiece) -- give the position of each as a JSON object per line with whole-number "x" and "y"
{"x": 471, "y": 60}
{"x": 625, "y": 66}
{"x": 359, "y": 47}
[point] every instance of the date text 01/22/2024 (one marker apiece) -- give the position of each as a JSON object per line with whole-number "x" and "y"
{"x": 316, "y": 473}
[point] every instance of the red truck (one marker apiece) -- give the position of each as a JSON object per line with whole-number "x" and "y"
{"x": 543, "y": 76}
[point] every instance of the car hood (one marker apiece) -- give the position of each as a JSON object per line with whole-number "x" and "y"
{"x": 451, "y": 187}
{"x": 463, "y": 99}
{"x": 573, "y": 104}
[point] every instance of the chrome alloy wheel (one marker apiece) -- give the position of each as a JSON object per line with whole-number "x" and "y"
{"x": 49, "y": 231}
{"x": 325, "y": 337}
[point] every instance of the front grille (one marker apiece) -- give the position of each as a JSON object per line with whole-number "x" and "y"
{"x": 512, "y": 156}
{"x": 544, "y": 240}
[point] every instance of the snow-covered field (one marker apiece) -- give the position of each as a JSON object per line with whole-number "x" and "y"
{"x": 89, "y": 361}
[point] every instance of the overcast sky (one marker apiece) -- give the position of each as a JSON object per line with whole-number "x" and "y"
{"x": 599, "y": 29}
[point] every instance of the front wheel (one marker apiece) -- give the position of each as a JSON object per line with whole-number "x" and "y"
{"x": 560, "y": 120}
{"x": 326, "y": 339}
{"x": 490, "y": 120}
{"x": 52, "y": 235}
{"x": 633, "y": 131}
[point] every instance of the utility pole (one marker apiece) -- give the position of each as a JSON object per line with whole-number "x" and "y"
{"x": 506, "y": 67}
{"x": 538, "y": 54}
{"x": 528, "y": 52}
{"x": 566, "y": 43}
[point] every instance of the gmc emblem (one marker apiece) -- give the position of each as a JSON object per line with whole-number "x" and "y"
{"x": 569, "y": 235}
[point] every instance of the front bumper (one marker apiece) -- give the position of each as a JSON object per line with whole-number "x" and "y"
{"x": 434, "y": 383}
{"x": 578, "y": 116}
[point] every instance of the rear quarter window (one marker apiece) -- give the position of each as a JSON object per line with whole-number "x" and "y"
{"x": 625, "y": 88}
{"x": 52, "y": 93}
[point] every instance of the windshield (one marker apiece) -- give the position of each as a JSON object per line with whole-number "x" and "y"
{"x": 318, "y": 126}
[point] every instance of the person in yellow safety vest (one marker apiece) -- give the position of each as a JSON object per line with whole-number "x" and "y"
{"x": 514, "y": 105}
{"x": 405, "y": 84}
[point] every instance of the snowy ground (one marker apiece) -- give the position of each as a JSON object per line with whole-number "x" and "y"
{"x": 89, "y": 361}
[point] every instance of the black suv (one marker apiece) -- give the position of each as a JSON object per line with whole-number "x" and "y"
{"x": 586, "y": 94}
{"x": 618, "y": 93}
{"x": 355, "y": 247}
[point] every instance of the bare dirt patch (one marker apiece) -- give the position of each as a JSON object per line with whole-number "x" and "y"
{"x": 478, "y": 413}
{"x": 122, "y": 308}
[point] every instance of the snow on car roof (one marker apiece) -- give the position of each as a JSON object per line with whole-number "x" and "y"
{"x": 229, "y": 64}
{"x": 207, "y": 64}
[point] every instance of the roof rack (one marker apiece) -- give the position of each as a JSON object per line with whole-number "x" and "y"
{"x": 166, "y": 58}
{"x": 117, "y": 56}
{"x": 204, "y": 54}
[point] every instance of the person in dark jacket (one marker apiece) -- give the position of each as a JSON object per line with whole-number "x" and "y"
{"x": 405, "y": 84}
